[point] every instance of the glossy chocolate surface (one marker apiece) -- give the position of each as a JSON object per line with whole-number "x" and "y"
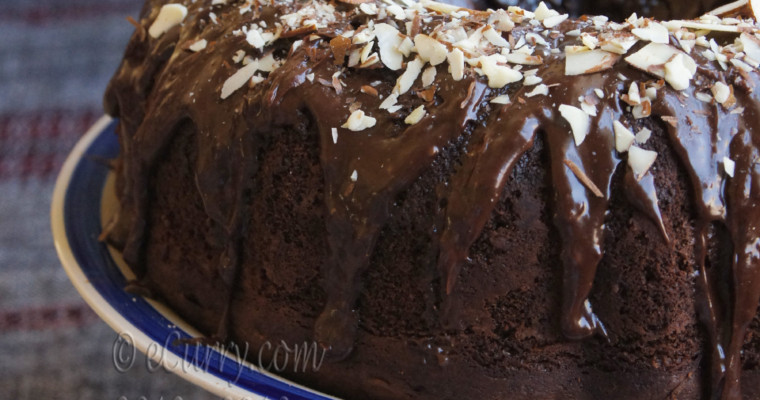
{"x": 161, "y": 85}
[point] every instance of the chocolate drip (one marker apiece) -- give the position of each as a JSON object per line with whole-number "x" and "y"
{"x": 704, "y": 136}
{"x": 161, "y": 85}
{"x": 642, "y": 193}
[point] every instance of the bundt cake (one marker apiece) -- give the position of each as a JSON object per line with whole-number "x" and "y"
{"x": 454, "y": 204}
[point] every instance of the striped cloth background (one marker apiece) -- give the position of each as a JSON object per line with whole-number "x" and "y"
{"x": 56, "y": 57}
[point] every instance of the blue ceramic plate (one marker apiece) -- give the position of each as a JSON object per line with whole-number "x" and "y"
{"x": 83, "y": 200}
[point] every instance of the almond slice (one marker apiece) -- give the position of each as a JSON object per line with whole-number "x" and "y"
{"x": 720, "y": 92}
{"x": 640, "y": 160}
{"x": 677, "y": 72}
{"x": 358, "y": 121}
{"x": 740, "y": 8}
{"x": 653, "y": 32}
{"x": 618, "y": 42}
{"x": 751, "y": 44}
{"x": 580, "y": 60}
{"x": 729, "y": 166}
{"x": 406, "y": 80}
{"x": 389, "y": 39}
{"x": 498, "y": 75}
{"x": 643, "y": 135}
{"x": 169, "y": 16}
{"x": 198, "y": 46}
{"x": 623, "y": 137}
{"x": 239, "y": 78}
{"x": 415, "y": 116}
{"x": 653, "y": 58}
{"x": 585, "y": 180}
{"x": 456, "y": 64}
{"x": 579, "y": 121}
{"x": 428, "y": 76}
{"x": 429, "y": 49}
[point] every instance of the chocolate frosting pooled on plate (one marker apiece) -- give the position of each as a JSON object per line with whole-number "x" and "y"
{"x": 389, "y": 86}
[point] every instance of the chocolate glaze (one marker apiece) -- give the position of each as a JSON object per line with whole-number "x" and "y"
{"x": 161, "y": 85}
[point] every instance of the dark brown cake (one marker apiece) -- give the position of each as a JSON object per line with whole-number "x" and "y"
{"x": 439, "y": 196}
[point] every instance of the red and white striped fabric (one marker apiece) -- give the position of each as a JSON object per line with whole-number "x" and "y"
{"x": 56, "y": 57}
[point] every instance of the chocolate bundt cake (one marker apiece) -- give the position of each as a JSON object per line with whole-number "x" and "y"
{"x": 455, "y": 204}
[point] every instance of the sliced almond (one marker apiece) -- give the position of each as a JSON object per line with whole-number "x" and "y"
{"x": 640, "y": 160}
{"x": 740, "y": 8}
{"x": 428, "y": 76}
{"x": 456, "y": 64}
{"x": 503, "y": 99}
{"x": 623, "y": 137}
{"x": 388, "y": 40}
{"x": 653, "y": 32}
{"x": 539, "y": 90}
{"x": 585, "y": 180}
{"x": 239, "y": 79}
{"x": 169, "y": 16}
{"x": 494, "y": 37}
{"x": 524, "y": 59}
{"x": 653, "y": 58}
{"x": 584, "y": 61}
{"x": 406, "y": 80}
{"x": 579, "y": 121}
{"x": 406, "y": 46}
{"x": 751, "y": 44}
{"x": 429, "y": 49}
{"x": 589, "y": 41}
{"x": 415, "y": 116}
{"x": 551, "y": 22}
{"x": 198, "y": 46}
{"x": 501, "y": 20}
{"x": 358, "y": 121}
{"x": 618, "y": 42}
{"x": 642, "y": 110}
{"x": 677, "y": 72}
{"x": 729, "y": 166}
{"x": 542, "y": 12}
{"x": 720, "y": 92}
{"x": 389, "y": 102}
{"x": 643, "y": 135}
{"x": 498, "y": 75}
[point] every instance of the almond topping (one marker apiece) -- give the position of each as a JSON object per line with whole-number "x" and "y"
{"x": 720, "y": 92}
{"x": 729, "y": 166}
{"x": 654, "y": 32}
{"x": 198, "y": 46}
{"x": 579, "y": 121}
{"x": 623, "y": 137}
{"x": 239, "y": 78}
{"x": 498, "y": 75}
{"x": 580, "y": 60}
{"x": 358, "y": 121}
{"x": 405, "y": 81}
{"x": 415, "y": 116}
{"x": 643, "y": 135}
{"x": 585, "y": 180}
{"x": 456, "y": 64}
{"x": 503, "y": 99}
{"x": 389, "y": 39}
{"x": 429, "y": 49}
{"x": 428, "y": 76}
{"x": 169, "y": 16}
{"x": 653, "y": 58}
{"x": 677, "y": 73}
{"x": 640, "y": 160}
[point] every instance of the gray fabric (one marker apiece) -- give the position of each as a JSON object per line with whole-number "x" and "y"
{"x": 56, "y": 57}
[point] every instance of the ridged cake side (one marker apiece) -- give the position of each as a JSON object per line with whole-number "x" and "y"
{"x": 439, "y": 196}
